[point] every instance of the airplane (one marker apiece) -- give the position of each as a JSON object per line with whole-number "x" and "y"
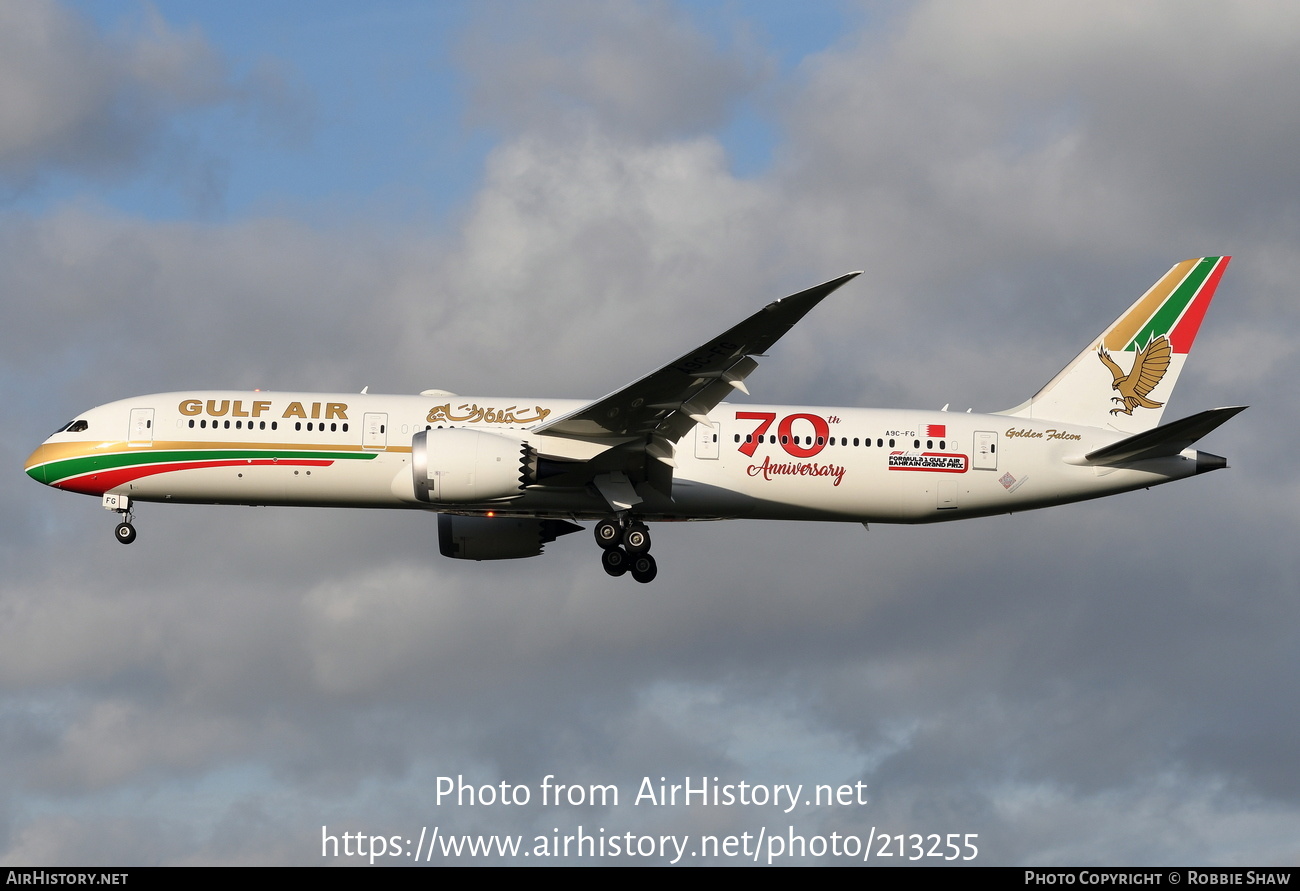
{"x": 507, "y": 476}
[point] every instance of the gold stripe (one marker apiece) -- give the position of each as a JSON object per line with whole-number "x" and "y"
{"x": 189, "y": 444}
{"x": 1131, "y": 322}
{"x": 56, "y": 451}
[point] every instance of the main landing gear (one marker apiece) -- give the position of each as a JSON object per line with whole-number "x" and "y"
{"x": 626, "y": 549}
{"x": 121, "y": 504}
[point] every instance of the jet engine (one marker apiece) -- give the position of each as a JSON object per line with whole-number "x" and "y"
{"x": 452, "y": 465}
{"x": 497, "y": 538}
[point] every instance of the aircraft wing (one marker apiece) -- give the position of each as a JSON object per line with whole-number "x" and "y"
{"x": 662, "y": 407}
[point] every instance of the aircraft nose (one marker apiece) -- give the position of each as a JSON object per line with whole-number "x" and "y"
{"x": 36, "y": 463}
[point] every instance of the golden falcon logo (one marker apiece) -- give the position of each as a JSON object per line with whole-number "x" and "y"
{"x": 1149, "y": 367}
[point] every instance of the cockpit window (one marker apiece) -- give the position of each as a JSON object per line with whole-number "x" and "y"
{"x": 77, "y": 426}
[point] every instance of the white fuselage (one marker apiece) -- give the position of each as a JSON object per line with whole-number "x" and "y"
{"x": 755, "y": 461}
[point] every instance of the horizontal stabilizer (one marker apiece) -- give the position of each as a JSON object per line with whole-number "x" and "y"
{"x": 1162, "y": 441}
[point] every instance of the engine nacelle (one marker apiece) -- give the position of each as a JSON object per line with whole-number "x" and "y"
{"x": 452, "y": 465}
{"x": 497, "y": 538}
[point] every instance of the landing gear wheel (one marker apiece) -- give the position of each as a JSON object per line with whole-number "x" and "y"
{"x": 637, "y": 539}
{"x": 608, "y": 534}
{"x": 644, "y": 568}
{"x": 615, "y": 561}
{"x": 125, "y": 533}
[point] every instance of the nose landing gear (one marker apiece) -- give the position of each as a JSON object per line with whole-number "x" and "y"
{"x": 121, "y": 504}
{"x": 626, "y": 548}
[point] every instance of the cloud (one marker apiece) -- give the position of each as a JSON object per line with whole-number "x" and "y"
{"x": 642, "y": 70}
{"x": 106, "y": 107}
{"x": 1105, "y": 680}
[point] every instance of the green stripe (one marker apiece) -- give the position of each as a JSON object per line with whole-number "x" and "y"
{"x": 70, "y": 467}
{"x": 1163, "y": 320}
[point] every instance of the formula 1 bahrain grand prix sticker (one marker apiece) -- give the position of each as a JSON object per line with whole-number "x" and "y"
{"x": 938, "y": 462}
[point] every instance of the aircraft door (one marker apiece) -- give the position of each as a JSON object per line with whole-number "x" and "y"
{"x": 374, "y": 430}
{"x": 141, "y": 431}
{"x": 706, "y": 440}
{"x": 986, "y": 450}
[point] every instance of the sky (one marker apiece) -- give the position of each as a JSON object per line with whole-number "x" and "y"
{"x": 556, "y": 198}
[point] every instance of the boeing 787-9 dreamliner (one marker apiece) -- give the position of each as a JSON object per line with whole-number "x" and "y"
{"x": 507, "y": 475}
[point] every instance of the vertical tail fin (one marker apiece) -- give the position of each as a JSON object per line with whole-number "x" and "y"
{"x": 1123, "y": 379}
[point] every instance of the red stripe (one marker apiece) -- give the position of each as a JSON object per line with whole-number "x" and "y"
{"x": 101, "y": 482}
{"x": 1180, "y": 339}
